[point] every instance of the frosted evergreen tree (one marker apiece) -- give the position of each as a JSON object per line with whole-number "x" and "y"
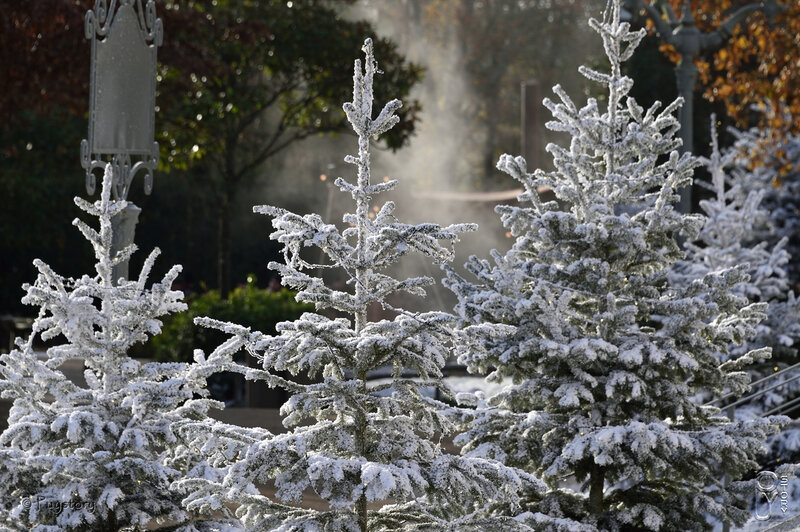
{"x": 94, "y": 457}
{"x": 372, "y": 451}
{"x": 603, "y": 354}
{"x": 734, "y": 214}
{"x": 774, "y": 168}
{"x": 757, "y": 167}
{"x": 732, "y": 235}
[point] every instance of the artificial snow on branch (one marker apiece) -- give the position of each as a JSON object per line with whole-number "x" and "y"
{"x": 95, "y": 457}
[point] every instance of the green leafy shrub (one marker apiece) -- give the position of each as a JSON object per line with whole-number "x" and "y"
{"x": 247, "y": 305}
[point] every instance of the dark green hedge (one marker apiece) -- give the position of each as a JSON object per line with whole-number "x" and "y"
{"x": 247, "y": 305}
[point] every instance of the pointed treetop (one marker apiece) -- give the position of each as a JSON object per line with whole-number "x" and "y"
{"x": 687, "y": 18}
{"x": 359, "y": 111}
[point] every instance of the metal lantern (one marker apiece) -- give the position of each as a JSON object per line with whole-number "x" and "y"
{"x": 122, "y": 92}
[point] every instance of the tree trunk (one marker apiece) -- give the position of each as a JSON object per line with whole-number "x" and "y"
{"x": 489, "y": 160}
{"x": 361, "y": 505}
{"x": 597, "y": 481}
{"x": 224, "y": 249}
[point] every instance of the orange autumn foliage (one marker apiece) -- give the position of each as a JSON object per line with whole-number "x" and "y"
{"x": 758, "y": 66}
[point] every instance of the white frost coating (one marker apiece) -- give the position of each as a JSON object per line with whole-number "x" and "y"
{"x": 742, "y": 229}
{"x": 604, "y": 354}
{"x": 350, "y": 442}
{"x": 378, "y": 481}
{"x": 103, "y": 454}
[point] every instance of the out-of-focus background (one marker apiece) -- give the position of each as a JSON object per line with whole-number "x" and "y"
{"x": 248, "y": 112}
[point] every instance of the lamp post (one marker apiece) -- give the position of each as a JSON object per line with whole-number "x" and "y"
{"x": 531, "y": 141}
{"x": 124, "y": 39}
{"x": 690, "y": 42}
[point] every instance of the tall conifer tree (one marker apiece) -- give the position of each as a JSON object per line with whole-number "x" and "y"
{"x": 95, "y": 457}
{"x": 605, "y": 356}
{"x": 372, "y": 451}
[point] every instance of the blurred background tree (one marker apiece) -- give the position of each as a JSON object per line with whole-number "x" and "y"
{"x": 759, "y": 65}
{"x": 44, "y": 95}
{"x": 247, "y": 87}
{"x": 753, "y": 79}
{"x": 239, "y": 82}
{"x": 242, "y": 80}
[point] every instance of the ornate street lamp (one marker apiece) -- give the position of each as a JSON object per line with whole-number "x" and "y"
{"x": 690, "y": 42}
{"x": 122, "y": 103}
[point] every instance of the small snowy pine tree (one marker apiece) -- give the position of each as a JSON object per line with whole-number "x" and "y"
{"x": 94, "y": 457}
{"x": 372, "y": 451}
{"x": 731, "y": 236}
{"x": 604, "y": 355}
{"x": 764, "y": 187}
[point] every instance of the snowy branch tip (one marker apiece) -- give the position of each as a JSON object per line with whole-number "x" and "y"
{"x": 359, "y": 111}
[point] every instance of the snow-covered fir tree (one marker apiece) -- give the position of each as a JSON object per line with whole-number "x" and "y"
{"x": 94, "y": 457}
{"x": 734, "y": 233}
{"x": 604, "y": 355}
{"x": 372, "y": 452}
{"x": 760, "y": 189}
